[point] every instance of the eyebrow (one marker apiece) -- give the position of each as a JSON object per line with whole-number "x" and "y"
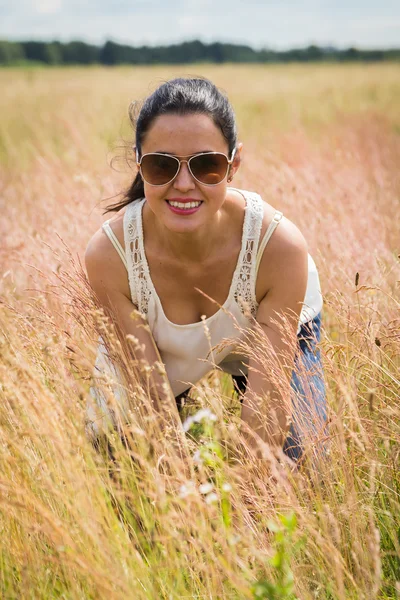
{"x": 184, "y": 155}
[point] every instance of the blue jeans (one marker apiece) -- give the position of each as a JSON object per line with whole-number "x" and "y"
{"x": 308, "y": 398}
{"x": 309, "y": 412}
{"x": 309, "y": 402}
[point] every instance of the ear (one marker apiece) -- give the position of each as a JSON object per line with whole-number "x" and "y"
{"x": 136, "y": 154}
{"x": 236, "y": 162}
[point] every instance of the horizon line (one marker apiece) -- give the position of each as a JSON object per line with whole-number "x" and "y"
{"x": 319, "y": 45}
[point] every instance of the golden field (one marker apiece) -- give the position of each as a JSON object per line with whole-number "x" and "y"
{"x": 321, "y": 144}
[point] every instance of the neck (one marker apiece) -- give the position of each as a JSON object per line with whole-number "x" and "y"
{"x": 193, "y": 246}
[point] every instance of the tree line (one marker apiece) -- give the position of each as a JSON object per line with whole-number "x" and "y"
{"x": 111, "y": 53}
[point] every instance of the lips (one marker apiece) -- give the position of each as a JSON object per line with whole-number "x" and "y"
{"x": 183, "y": 200}
{"x": 186, "y": 206}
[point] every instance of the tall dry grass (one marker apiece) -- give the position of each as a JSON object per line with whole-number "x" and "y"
{"x": 173, "y": 515}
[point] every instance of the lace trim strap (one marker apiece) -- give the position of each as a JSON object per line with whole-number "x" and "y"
{"x": 138, "y": 276}
{"x": 245, "y": 276}
{"x": 272, "y": 226}
{"x": 114, "y": 240}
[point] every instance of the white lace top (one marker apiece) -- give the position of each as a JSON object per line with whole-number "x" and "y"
{"x": 244, "y": 277}
{"x": 188, "y": 351}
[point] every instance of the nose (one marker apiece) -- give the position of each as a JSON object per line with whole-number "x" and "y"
{"x": 184, "y": 180}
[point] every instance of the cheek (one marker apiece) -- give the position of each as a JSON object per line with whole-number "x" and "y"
{"x": 153, "y": 193}
{"x": 216, "y": 195}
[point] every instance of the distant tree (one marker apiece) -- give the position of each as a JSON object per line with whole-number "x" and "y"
{"x": 350, "y": 54}
{"x": 373, "y": 55}
{"x": 194, "y": 51}
{"x": 53, "y": 55}
{"x": 10, "y": 52}
{"x": 187, "y": 52}
{"x": 295, "y": 55}
{"x": 48, "y": 53}
{"x": 215, "y": 52}
{"x": 313, "y": 53}
{"x": 393, "y": 54}
{"x": 266, "y": 56}
{"x": 79, "y": 53}
{"x": 109, "y": 54}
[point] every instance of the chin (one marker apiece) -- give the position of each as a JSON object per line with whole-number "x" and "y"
{"x": 177, "y": 225}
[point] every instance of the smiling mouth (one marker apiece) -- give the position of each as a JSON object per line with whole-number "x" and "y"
{"x": 185, "y": 205}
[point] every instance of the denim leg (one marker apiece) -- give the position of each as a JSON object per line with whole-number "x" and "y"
{"x": 308, "y": 391}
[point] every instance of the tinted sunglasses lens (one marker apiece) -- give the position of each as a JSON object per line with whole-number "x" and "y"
{"x": 209, "y": 168}
{"x": 158, "y": 169}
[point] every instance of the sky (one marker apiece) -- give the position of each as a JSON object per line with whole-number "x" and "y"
{"x": 275, "y": 24}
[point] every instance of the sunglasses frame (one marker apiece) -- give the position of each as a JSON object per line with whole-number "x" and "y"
{"x": 180, "y": 160}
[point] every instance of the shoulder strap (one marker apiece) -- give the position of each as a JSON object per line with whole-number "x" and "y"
{"x": 113, "y": 239}
{"x": 272, "y": 226}
{"x": 140, "y": 283}
{"x": 243, "y": 282}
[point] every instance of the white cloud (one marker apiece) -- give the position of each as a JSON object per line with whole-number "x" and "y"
{"x": 189, "y": 25}
{"x": 376, "y": 24}
{"x": 47, "y": 7}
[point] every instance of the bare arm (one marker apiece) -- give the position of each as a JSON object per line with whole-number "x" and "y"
{"x": 108, "y": 279}
{"x": 266, "y": 404}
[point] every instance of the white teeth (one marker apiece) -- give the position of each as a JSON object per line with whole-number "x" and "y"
{"x": 184, "y": 205}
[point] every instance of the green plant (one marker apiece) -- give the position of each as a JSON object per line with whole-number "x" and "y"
{"x": 284, "y": 549}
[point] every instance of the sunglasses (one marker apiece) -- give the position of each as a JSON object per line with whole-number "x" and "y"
{"x": 208, "y": 168}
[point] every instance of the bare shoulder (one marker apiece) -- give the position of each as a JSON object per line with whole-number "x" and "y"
{"x": 285, "y": 253}
{"x": 104, "y": 266}
{"x": 286, "y": 235}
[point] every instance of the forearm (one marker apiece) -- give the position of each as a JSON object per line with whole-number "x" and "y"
{"x": 148, "y": 395}
{"x": 157, "y": 387}
{"x": 141, "y": 365}
{"x": 266, "y": 411}
{"x": 153, "y": 397}
{"x": 267, "y": 407}
{"x": 131, "y": 351}
{"x": 150, "y": 374}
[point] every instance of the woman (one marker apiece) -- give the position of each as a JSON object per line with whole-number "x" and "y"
{"x": 188, "y": 252}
